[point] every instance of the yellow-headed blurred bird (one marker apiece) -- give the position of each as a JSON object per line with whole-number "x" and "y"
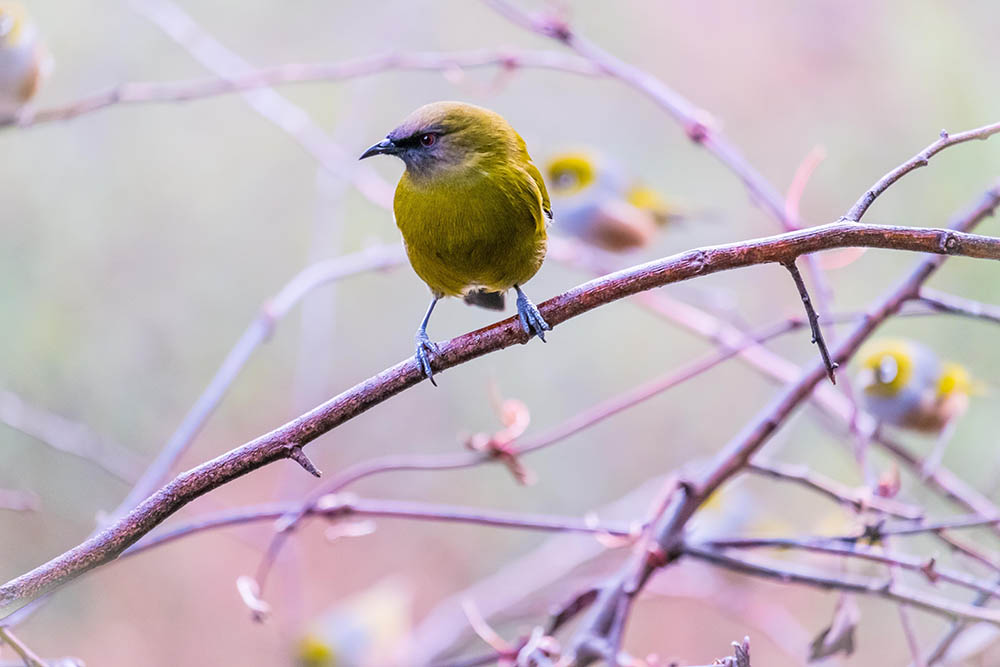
{"x": 364, "y": 629}
{"x": 24, "y": 60}
{"x": 905, "y": 384}
{"x": 472, "y": 209}
{"x": 599, "y": 203}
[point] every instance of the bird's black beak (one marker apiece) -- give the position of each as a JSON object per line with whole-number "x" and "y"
{"x": 384, "y": 147}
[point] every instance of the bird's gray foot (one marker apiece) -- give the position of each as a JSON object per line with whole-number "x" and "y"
{"x": 531, "y": 320}
{"x": 425, "y": 348}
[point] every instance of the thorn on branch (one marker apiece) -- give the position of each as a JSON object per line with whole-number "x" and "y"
{"x": 556, "y": 27}
{"x": 697, "y": 131}
{"x": 929, "y": 571}
{"x": 297, "y": 454}
{"x": 817, "y": 333}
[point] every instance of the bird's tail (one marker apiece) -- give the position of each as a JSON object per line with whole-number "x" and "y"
{"x": 485, "y": 299}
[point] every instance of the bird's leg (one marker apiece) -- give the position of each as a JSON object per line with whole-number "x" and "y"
{"x": 425, "y": 347}
{"x": 531, "y": 320}
{"x": 933, "y": 461}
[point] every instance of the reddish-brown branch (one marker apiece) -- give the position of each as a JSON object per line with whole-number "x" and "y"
{"x": 956, "y": 305}
{"x": 336, "y": 507}
{"x": 934, "y": 604}
{"x": 856, "y": 499}
{"x": 738, "y": 452}
{"x": 919, "y": 160}
{"x": 280, "y": 443}
{"x": 842, "y": 548}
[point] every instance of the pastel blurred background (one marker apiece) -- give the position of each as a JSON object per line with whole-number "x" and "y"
{"x": 139, "y": 241}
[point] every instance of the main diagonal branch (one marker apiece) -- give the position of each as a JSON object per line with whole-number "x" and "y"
{"x": 288, "y": 440}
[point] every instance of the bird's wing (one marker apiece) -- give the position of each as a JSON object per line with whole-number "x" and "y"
{"x": 536, "y": 176}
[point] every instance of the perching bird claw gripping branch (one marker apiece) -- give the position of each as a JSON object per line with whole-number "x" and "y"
{"x": 282, "y": 442}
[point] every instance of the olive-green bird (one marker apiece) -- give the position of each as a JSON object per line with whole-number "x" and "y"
{"x": 472, "y": 208}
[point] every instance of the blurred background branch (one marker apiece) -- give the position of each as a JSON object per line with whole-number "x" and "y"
{"x": 67, "y": 436}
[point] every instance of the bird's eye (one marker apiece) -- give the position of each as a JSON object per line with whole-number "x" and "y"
{"x": 888, "y": 369}
{"x": 427, "y": 139}
{"x": 566, "y": 180}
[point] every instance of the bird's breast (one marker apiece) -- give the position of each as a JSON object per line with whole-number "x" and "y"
{"x": 481, "y": 229}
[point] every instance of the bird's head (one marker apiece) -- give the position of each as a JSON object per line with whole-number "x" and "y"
{"x": 886, "y": 367}
{"x": 570, "y": 173}
{"x": 442, "y": 137}
{"x": 13, "y": 19}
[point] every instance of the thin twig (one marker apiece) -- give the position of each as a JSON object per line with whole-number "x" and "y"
{"x": 817, "y": 332}
{"x": 155, "y": 92}
{"x": 857, "y": 500}
{"x": 921, "y": 159}
{"x": 292, "y": 119}
{"x": 29, "y": 657}
{"x": 839, "y": 547}
{"x": 956, "y": 305}
{"x": 938, "y": 605}
{"x": 340, "y": 507}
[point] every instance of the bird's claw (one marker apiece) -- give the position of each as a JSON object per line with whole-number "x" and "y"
{"x": 425, "y": 348}
{"x": 531, "y": 320}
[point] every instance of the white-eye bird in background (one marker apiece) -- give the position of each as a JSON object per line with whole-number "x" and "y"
{"x": 595, "y": 200}
{"x": 24, "y": 60}
{"x": 905, "y": 384}
{"x": 364, "y": 629}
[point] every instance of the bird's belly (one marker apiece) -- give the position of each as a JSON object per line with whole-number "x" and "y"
{"x": 492, "y": 256}
{"x": 18, "y": 76}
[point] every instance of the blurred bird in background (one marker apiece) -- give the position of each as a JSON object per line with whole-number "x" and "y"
{"x": 362, "y": 630}
{"x": 596, "y": 201}
{"x": 24, "y": 60}
{"x": 905, "y": 384}
{"x": 472, "y": 209}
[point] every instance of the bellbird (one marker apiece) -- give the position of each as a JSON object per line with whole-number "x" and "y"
{"x": 24, "y": 60}
{"x": 472, "y": 209}
{"x": 601, "y": 204}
